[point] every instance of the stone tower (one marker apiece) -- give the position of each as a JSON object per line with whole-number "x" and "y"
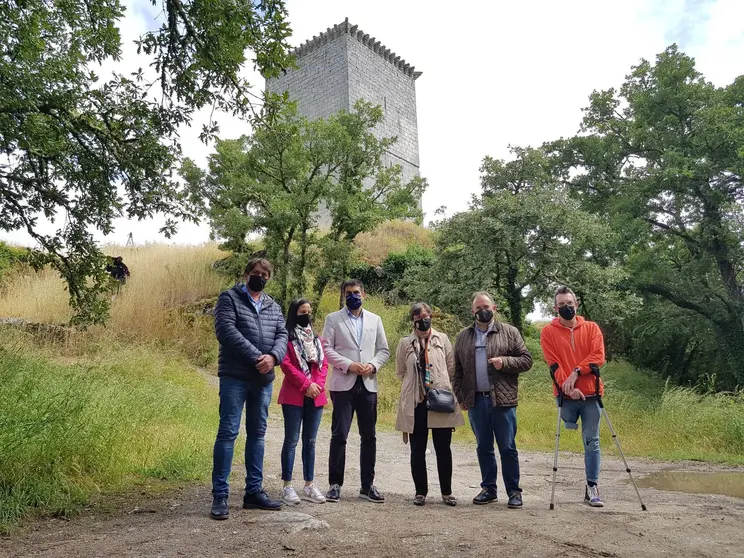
{"x": 344, "y": 64}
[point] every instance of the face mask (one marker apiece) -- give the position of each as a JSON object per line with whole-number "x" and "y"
{"x": 567, "y": 312}
{"x": 484, "y": 316}
{"x": 256, "y": 283}
{"x": 303, "y": 320}
{"x": 424, "y": 324}
{"x": 353, "y": 301}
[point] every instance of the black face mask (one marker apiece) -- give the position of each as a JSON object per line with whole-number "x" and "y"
{"x": 484, "y": 315}
{"x": 424, "y": 324}
{"x": 353, "y": 301}
{"x": 256, "y": 283}
{"x": 567, "y": 312}
{"x": 304, "y": 320}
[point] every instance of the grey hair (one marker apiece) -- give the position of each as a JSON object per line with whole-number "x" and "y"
{"x": 483, "y": 294}
{"x": 563, "y": 289}
{"x": 417, "y": 308}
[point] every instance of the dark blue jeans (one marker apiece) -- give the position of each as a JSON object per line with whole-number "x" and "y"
{"x": 489, "y": 422}
{"x": 308, "y": 416}
{"x": 234, "y": 395}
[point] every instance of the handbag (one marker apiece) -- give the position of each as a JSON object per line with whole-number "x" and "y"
{"x": 440, "y": 401}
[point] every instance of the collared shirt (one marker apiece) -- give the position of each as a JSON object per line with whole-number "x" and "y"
{"x": 257, "y": 304}
{"x": 358, "y": 323}
{"x": 482, "y": 381}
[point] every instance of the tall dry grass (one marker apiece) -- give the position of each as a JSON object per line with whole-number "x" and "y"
{"x": 392, "y": 237}
{"x": 163, "y": 279}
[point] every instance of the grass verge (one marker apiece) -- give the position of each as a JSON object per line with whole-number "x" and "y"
{"x": 70, "y": 430}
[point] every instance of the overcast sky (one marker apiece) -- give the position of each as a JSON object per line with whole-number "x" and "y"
{"x": 495, "y": 72}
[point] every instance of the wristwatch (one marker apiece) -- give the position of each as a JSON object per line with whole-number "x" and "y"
{"x": 577, "y": 370}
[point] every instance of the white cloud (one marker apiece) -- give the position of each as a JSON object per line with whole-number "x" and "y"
{"x": 494, "y": 73}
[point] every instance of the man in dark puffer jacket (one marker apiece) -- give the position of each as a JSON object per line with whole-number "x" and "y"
{"x": 253, "y": 340}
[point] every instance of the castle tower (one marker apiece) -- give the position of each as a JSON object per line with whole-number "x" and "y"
{"x": 344, "y": 64}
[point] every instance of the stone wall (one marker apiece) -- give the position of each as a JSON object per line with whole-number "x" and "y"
{"x": 343, "y": 65}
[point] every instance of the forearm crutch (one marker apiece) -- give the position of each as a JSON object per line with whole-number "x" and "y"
{"x": 595, "y": 370}
{"x": 553, "y": 368}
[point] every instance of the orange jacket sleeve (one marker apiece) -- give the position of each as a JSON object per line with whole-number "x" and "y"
{"x": 548, "y": 347}
{"x": 596, "y": 353}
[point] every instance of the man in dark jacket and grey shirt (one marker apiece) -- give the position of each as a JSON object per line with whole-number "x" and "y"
{"x": 489, "y": 357}
{"x": 253, "y": 340}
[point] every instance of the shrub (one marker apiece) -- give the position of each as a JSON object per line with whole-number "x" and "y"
{"x": 387, "y": 279}
{"x": 11, "y": 257}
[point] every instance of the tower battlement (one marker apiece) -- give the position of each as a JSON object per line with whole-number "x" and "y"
{"x": 370, "y": 42}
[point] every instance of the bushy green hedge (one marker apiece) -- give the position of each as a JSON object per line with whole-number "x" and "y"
{"x": 11, "y": 257}
{"x": 386, "y": 279}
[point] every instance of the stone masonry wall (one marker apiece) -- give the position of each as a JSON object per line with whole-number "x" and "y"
{"x": 321, "y": 84}
{"x": 336, "y": 70}
{"x": 376, "y": 80}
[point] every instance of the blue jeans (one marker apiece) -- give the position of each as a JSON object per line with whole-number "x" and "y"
{"x": 489, "y": 422}
{"x": 308, "y": 416}
{"x": 589, "y": 413}
{"x": 234, "y": 395}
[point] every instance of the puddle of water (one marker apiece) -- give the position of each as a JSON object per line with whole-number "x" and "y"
{"x": 726, "y": 483}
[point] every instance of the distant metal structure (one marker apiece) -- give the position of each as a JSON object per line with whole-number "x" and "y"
{"x": 130, "y": 240}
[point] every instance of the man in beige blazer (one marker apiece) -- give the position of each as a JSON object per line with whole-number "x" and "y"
{"x": 356, "y": 347}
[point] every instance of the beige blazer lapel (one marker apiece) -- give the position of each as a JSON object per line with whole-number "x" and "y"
{"x": 352, "y": 328}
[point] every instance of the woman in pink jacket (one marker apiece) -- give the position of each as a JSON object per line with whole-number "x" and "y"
{"x": 302, "y": 398}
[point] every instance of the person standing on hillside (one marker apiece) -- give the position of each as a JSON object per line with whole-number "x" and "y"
{"x": 489, "y": 357}
{"x": 573, "y": 344}
{"x": 302, "y": 398}
{"x": 425, "y": 363}
{"x": 253, "y": 340}
{"x": 118, "y": 269}
{"x": 355, "y": 342}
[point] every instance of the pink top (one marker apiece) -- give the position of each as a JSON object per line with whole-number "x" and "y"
{"x": 295, "y": 382}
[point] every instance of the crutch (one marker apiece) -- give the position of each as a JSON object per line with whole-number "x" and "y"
{"x": 553, "y": 368}
{"x": 595, "y": 370}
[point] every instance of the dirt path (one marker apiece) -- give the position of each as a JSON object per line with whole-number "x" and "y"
{"x": 176, "y": 524}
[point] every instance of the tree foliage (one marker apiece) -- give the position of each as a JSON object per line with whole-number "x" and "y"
{"x": 520, "y": 236}
{"x": 84, "y": 150}
{"x": 276, "y": 182}
{"x": 662, "y": 158}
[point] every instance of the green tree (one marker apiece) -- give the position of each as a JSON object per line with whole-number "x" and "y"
{"x": 518, "y": 238}
{"x": 83, "y": 150}
{"x": 275, "y": 182}
{"x": 662, "y": 159}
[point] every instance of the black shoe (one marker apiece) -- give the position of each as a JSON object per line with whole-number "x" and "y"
{"x": 334, "y": 493}
{"x": 260, "y": 501}
{"x": 373, "y": 495}
{"x": 515, "y": 500}
{"x": 485, "y": 497}
{"x": 219, "y": 508}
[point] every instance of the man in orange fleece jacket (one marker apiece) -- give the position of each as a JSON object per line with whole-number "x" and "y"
{"x": 574, "y": 343}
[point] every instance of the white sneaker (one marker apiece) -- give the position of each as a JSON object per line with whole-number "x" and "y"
{"x": 591, "y": 497}
{"x": 290, "y": 496}
{"x": 312, "y": 494}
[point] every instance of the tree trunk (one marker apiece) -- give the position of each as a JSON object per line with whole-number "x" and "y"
{"x": 731, "y": 344}
{"x": 301, "y": 282}
{"x": 284, "y": 272}
{"x": 513, "y": 297}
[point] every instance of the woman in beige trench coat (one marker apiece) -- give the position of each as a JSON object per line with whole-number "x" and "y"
{"x": 425, "y": 361}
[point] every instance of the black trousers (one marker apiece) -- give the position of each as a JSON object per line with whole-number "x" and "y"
{"x": 442, "y": 438}
{"x": 345, "y": 403}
